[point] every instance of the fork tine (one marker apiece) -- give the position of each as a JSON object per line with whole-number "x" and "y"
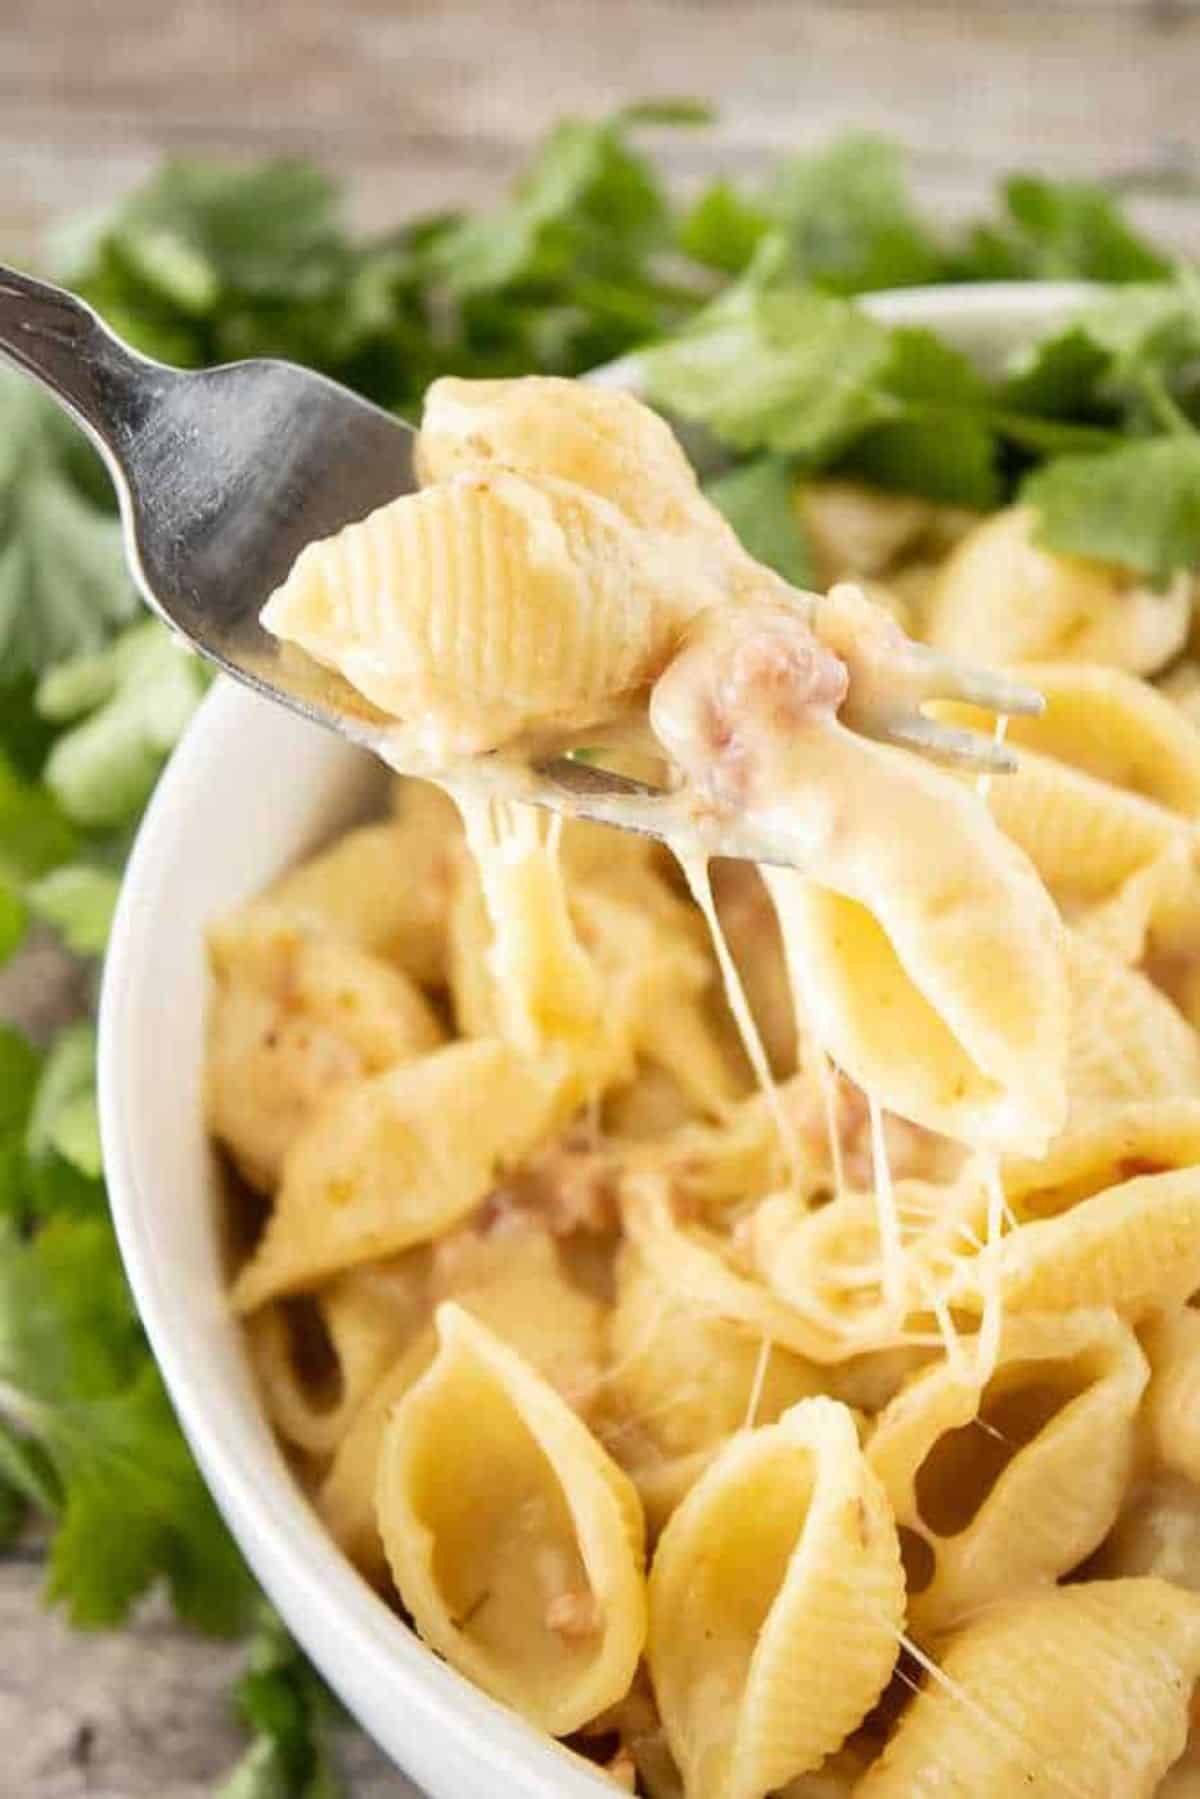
{"x": 948, "y": 679}
{"x": 947, "y": 743}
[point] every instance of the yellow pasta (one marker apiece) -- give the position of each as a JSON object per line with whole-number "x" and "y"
{"x": 386, "y": 887}
{"x": 896, "y": 1354}
{"x": 1012, "y": 1483}
{"x": 694, "y": 1265}
{"x": 999, "y": 598}
{"x": 1157, "y": 1533}
{"x": 769, "y": 1644}
{"x": 514, "y": 1541}
{"x": 679, "y": 1383}
{"x": 1116, "y": 728}
{"x": 600, "y": 438}
{"x": 1171, "y": 1414}
{"x": 395, "y": 1161}
{"x": 367, "y": 1317}
{"x": 489, "y": 607}
{"x": 1082, "y": 1691}
{"x": 1128, "y": 1042}
{"x": 295, "y": 1018}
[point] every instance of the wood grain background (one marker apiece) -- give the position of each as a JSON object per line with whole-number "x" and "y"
{"x": 426, "y": 105}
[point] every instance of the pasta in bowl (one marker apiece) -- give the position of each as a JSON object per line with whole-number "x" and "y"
{"x": 648, "y": 1395}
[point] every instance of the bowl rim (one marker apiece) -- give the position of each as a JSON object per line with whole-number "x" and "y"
{"x": 347, "y": 1629}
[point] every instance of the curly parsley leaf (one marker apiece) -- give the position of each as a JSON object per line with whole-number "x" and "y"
{"x": 282, "y": 1702}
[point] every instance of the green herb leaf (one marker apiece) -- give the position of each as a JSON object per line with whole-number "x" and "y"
{"x": 1139, "y": 505}
{"x": 79, "y": 901}
{"x": 780, "y": 369}
{"x": 1057, "y": 230}
{"x": 723, "y": 229}
{"x": 759, "y": 500}
{"x": 20, "y": 1068}
{"x": 63, "y": 585}
{"x": 942, "y": 445}
{"x": 75, "y": 1377}
{"x": 282, "y": 1702}
{"x": 135, "y": 698}
{"x": 849, "y": 218}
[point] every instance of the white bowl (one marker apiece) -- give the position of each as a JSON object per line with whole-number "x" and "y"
{"x": 251, "y": 789}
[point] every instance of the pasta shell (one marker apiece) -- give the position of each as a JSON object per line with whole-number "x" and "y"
{"x": 386, "y": 887}
{"x": 1000, "y": 598}
{"x": 488, "y": 607}
{"x": 1135, "y": 1247}
{"x": 514, "y": 1540}
{"x": 1077, "y": 1693}
{"x": 1012, "y": 1482}
{"x": 368, "y": 1316}
{"x": 600, "y": 438}
{"x": 346, "y": 1497}
{"x": 395, "y": 1161}
{"x": 1157, "y": 1533}
{"x": 691, "y": 1265}
{"x": 1128, "y": 1042}
{"x": 1085, "y": 837}
{"x": 295, "y": 1016}
{"x": 1171, "y": 1414}
{"x": 680, "y": 1381}
{"x": 1117, "y": 729}
{"x": 769, "y": 1644}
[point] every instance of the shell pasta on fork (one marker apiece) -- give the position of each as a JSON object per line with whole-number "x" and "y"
{"x": 740, "y": 1312}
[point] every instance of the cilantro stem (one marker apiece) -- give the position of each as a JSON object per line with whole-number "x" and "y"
{"x": 22, "y": 1411}
{"x": 1165, "y": 409}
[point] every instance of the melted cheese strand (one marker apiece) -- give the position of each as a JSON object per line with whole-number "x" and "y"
{"x": 756, "y": 1388}
{"x": 983, "y": 782}
{"x": 988, "y": 1344}
{"x": 887, "y": 1215}
{"x": 996, "y": 1726}
{"x": 827, "y": 1082}
{"x": 695, "y": 873}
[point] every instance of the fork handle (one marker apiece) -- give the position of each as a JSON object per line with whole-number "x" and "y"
{"x": 62, "y": 343}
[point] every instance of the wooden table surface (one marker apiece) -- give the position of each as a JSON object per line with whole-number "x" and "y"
{"x": 424, "y": 105}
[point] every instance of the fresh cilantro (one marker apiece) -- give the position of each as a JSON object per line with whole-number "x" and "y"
{"x": 588, "y": 258}
{"x": 35, "y": 837}
{"x": 63, "y": 584}
{"x": 127, "y": 707}
{"x": 79, "y": 901}
{"x": 62, "y": 1119}
{"x": 723, "y": 229}
{"x": 1139, "y": 505}
{"x": 773, "y": 367}
{"x": 282, "y": 1702}
{"x": 849, "y": 219}
{"x": 76, "y": 1379}
{"x": 942, "y": 443}
{"x": 20, "y": 1067}
{"x": 759, "y": 500}
{"x": 1058, "y": 230}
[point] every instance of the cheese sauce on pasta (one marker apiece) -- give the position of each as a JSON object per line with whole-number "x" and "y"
{"x": 801, "y": 1410}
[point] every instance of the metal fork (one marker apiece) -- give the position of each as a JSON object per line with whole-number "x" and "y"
{"x": 225, "y": 474}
